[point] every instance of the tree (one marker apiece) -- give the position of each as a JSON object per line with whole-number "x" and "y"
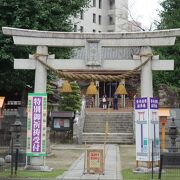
{"x": 170, "y": 16}
{"x": 71, "y": 101}
{"x": 47, "y": 15}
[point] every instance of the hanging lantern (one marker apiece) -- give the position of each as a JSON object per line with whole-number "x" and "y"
{"x": 121, "y": 90}
{"x": 66, "y": 87}
{"x": 91, "y": 90}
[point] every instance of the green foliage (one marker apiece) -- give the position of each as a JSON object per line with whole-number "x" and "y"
{"x": 51, "y": 79}
{"x": 46, "y": 15}
{"x": 71, "y": 101}
{"x": 31, "y": 174}
{"x": 170, "y": 16}
{"x": 169, "y": 174}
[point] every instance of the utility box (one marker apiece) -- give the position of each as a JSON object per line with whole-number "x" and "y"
{"x": 62, "y": 121}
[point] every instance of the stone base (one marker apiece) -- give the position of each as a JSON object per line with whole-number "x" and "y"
{"x": 146, "y": 170}
{"x": 38, "y": 168}
{"x": 37, "y": 160}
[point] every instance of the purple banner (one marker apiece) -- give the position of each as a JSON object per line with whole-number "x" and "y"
{"x": 36, "y": 124}
{"x": 141, "y": 103}
{"x": 154, "y": 103}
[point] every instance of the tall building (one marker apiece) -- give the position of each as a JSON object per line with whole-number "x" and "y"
{"x": 134, "y": 26}
{"x": 103, "y": 16}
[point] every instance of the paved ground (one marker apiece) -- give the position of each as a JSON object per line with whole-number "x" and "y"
{"x": 112, "y": 165}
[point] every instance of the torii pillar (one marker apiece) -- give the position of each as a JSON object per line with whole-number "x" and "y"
{"x": 146, "y": 72}
{"x": 40, "y": 70}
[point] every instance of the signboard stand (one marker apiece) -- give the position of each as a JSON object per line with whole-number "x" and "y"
{"x": 36, "y": 132}
{"x": 94, "y": 159}
{"x": 147, "y": 130}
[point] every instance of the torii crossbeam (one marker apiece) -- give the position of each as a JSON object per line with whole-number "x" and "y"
{"x": 93, "y": 43}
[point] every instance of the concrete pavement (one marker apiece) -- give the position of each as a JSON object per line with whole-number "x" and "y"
{"x": 112, "y": 165}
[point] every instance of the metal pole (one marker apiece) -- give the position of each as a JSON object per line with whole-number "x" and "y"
{"x": 16, "y": 160}
{"x": 12, "y": 156}
{"x": 152, "y": 157}
{"x": 85, "y": 160}
{"x": 160, "y": 168}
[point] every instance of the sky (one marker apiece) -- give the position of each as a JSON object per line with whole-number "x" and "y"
{"x": 145, "y": 11}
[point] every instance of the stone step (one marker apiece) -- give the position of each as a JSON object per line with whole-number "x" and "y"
{"x": 102, "y": 130}
{"x": 109, "y": 113}
{"x": 109, "y": 122}
{"x": 110, "y": 131}
{"x": 110, "y": 119}
{"x": 121, "y": 138}
{"x": 113, "y": 117}
{"x": 120, "y": 127}
{"x": 109, "y": 125}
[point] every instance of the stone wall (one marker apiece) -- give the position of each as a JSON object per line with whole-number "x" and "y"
{"x": 168, "y": 97}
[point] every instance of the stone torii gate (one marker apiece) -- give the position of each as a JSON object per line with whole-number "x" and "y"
{"x": 93, "y": 43}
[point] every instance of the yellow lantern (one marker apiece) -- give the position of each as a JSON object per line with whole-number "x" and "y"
{"x": 66, "y": 87}
{"x": 121, "y": 90}
{"x": 91, "y": 90}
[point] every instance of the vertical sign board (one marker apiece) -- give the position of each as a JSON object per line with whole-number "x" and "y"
{"x": 147, "y": 128}
{"x": 141, "y": 125}
{"x": 36, "y": 124}
{"x": 154, "y": 128}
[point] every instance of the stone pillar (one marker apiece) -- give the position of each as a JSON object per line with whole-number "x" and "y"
{"x": 41, "y": 72}
{"x": 37, "y": 162}
{"x": 146, "y": 73}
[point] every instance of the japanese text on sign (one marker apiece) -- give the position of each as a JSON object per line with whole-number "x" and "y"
{"x": 154, "y": 103}
{"x": 36, "y": 124}
{"x": 95, "y": 159}
{"x": 141, "y": 103}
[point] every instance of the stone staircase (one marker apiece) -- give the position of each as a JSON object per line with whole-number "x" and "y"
{"x": 120, "y": 127}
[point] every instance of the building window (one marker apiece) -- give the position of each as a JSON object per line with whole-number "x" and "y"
{"x": 94, "y": 3}
{"x": 81, "y": 15}
{"x": 81, "y": 28}
{"x": 111, "y": 20}
{"x": 111, "y": 4}
{"x": 100, "y": 19}
{"x": 94, "y": 30}
{"x": 75, "y": 28}
{"x": 100, "y": 4}
{"x": 94, "y": 18}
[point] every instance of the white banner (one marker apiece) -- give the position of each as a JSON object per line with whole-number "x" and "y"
{"x": 154, "y": 129}
{"x": 147, "y": 128}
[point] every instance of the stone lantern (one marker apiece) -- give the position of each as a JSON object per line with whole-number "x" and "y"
{"x": 173, "y": 132}
{"x": 16, "y": 132}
